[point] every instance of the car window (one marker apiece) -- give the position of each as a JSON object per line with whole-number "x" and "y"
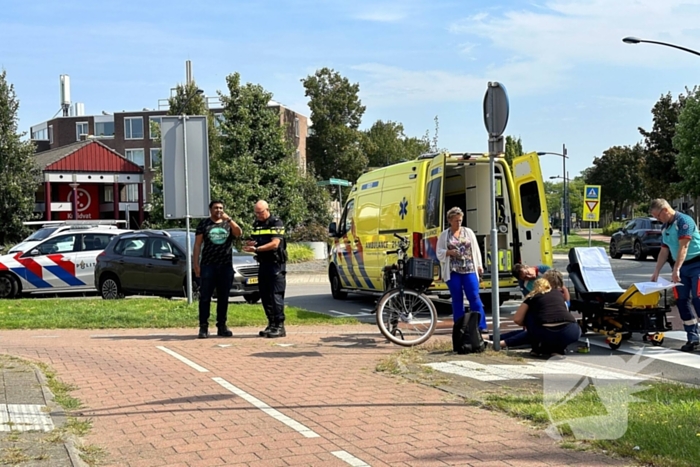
{"x": 59, "y": 244}
{"x": 158, "y": 247}
{"x": 630, "y": 225}
{"x": 131, "y": 246}
{"x": 656, "y": 225}
{"x": 95, "y": 241}
{"x": 41, "y": 234}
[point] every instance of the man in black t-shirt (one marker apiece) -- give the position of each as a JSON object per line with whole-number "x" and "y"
{"x": 214, "y": 240}
{"x": 271, "y": 249}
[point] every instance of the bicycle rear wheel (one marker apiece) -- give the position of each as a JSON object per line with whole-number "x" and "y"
{"x": 407, "y": 319}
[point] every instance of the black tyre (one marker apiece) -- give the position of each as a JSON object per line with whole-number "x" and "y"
{"x": 336, "y": 291}
{"x": 110, "y": 288}
{"x": 252, "y": 298}
{"x": 406, "y": 319}
{"x": 639, "y": 254}
{"x": 9, "y": 286}
{"x": 614, "y": 253}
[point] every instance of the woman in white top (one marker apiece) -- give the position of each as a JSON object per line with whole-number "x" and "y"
{"x": 461, "y": 265}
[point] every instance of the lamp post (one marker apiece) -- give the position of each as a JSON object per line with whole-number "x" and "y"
{"x": 564, "y": 157}
{"x": 188, "y": 246}
{"x": 636, "y": 40}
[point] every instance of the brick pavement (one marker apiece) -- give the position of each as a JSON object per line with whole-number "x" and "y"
{"x": 150, "y": 409}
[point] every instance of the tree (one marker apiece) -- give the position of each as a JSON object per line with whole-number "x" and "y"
{"x": 19, "y": 175}
{"x": 514, "y": 148}
{"x": 661, "y": 175}
{"x": 385, "y": 143}
{"x": 335, "y": 145}
{"x": 687, "y": 142}
{"x": 618, "y": 172}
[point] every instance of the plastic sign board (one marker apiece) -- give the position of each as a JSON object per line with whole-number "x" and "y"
{"x": 591, "y": 203}
{"x": 339, "y": 182}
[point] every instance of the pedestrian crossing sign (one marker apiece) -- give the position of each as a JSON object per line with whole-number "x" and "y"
{"x": 591, "y": 203}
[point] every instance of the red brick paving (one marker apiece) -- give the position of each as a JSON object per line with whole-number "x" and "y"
{"x": 149, "y": 409}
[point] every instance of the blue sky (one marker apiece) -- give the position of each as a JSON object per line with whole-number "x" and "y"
{"x": 570, "y": 78}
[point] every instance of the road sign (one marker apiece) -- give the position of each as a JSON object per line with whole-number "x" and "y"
{"x": 496, "y": 109}
{"x": 591, "y": 203}
{"x": 339, "y": 182}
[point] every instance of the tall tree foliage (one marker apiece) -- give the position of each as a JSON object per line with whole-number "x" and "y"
{"x": 618, "y": 172}
{"x": 19, "y": 176}
{"x": 661, "y": 175}
{"x": 687, "y": 142}
{"x": 335, "y": 144}
{"x": 514, "y": 148}
{"x": 386, "y": 144}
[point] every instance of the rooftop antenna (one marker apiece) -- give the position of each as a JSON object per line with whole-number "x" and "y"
{"x": 65, "y": 94}
{"x": 188, "y": 72}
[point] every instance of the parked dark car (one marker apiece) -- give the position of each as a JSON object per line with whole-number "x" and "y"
{"x": 153, "y": 262}
{"x": 640, "y": 237}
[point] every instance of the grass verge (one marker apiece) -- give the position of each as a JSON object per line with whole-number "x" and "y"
{"x": 574, "y": 240}
{"x": 135, "y": 313}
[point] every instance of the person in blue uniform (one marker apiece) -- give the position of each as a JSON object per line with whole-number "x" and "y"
{"x": 270, "y": 247}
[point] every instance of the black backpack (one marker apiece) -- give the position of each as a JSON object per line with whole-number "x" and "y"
{"x": 466, "y": 336}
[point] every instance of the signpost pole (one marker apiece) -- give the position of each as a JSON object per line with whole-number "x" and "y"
{"x": 589, "y": 234}
{"x": 496, "y": 110}
{"x": 188, "y": 246}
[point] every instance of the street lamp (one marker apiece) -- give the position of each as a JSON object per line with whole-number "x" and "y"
{"x": 564, "y": 157}
{"x": 636, "y": 40}
{"x": 188, "y": 246}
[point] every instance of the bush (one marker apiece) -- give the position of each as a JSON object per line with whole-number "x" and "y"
{"x": 299, "y": 253}
{"x": 312, "y": 232}
{"x": 612, "y": 227}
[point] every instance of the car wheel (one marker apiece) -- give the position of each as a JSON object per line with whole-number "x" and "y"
{"x": 639, "y": 254}
{"x": 613, "y": 250}
{"x": 252, "y": 298}
{"x": 335, "y": 285}
{"x": 110, "y": 288}
{"x": 8, "y": 286}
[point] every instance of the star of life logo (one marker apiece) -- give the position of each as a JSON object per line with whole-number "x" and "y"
{"x": 612, "y": 390}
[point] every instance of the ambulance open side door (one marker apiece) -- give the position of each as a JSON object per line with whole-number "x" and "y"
{"x": 433, "y": 215}
{"x": 530, "y": 206}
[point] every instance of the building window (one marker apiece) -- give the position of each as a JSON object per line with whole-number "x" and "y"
{"x": 296, "y": 127}
{"x": 136, "y": 156}
{"x": 154, "y": 123}
{"x": 51, "y": 134}
{"x": 132, "y": 193}
{"x": 41, "y": 135}
{"x": 154, "y": 189}
{"x": 81, "y": 128}
{"x": 155, "y": 157}
{"x": 104, "y": 128}
{"x": 133, "y": 128}
{"x": 109, "y": 194}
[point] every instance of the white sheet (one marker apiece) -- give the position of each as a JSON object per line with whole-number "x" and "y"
{"x": 646, "y": 288}
{"x": 596, "y": 270}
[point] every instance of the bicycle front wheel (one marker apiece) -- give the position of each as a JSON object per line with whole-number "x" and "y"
{"x": 406, "y": 318}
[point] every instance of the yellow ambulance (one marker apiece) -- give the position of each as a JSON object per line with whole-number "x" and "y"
{"x": 411, "y": 199}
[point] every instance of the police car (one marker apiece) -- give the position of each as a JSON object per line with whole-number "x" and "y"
{"x": 61, "y": 263}
{"x": 49, "y": 229}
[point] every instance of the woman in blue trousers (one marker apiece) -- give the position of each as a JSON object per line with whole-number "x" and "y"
{"x": 461, "y": 265}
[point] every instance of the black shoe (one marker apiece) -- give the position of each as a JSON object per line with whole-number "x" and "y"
{"x": 689, "y": 346}
{"x": 265, "y": 331}
{"x": 203, "y": 332}
{"x": 224, "y": 332}
{"x": 277, "y": 331}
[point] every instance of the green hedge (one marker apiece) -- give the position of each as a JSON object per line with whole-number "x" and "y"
{"x": 299, "y": 253}
{"x": 612, "y": 227}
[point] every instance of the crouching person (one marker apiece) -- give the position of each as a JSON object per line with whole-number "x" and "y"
{"x": 551, "y": 328}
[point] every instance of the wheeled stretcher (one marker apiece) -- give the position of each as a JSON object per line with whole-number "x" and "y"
{"x": 608, "y": 309}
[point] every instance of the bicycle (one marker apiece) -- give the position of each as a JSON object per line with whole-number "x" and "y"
{"x": 405, "y": 315}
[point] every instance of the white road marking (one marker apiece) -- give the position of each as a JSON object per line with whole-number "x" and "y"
{"x": 276, "y": 414}
{"x": 664, "y": 354}
{"x": 24, "y": 417}
{"x": 351, "y": 315}
{"x": 366, "y": 309}
{"x": 184, "y": 360}
{"x": 349, "y": 458}
{"x": 339, "y": 313}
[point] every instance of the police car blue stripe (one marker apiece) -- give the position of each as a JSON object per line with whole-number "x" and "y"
{"x": 32, "y": 278}
{"x": 64, "y": 275}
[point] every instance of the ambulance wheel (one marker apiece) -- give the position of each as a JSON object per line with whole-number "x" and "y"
{"x": 8, "y": 286}
{"x": 110, "y": 288}
{"x": 335, "y": 285}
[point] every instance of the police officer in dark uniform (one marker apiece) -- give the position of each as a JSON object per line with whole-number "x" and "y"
{"x": 271, "y": 249}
